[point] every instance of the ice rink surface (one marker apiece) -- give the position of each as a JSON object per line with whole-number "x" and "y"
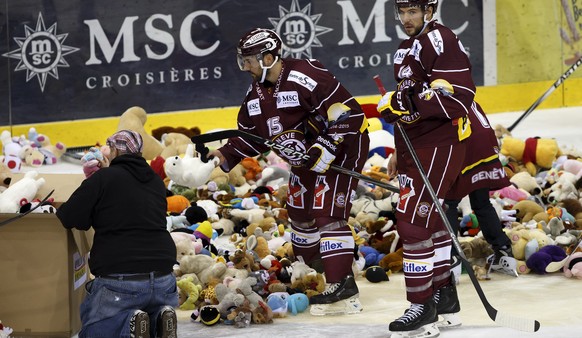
{"x": 552, "y": 299}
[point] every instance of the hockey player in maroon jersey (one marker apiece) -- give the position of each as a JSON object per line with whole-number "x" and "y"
{"x": 481, "y": 173}
{"x": 301, "y": 105}
{"x": 431, "y": 102}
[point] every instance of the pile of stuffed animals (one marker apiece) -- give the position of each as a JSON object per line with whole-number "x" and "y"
{"x": 235, "y": 261}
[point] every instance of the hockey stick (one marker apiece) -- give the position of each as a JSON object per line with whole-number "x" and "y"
{"x": 230, "y": 133}
{"x": 556, "y": 84}
{"x": 12, "y": 219}
{"x": 503, "y": 319}
{"x": 73, "y": 152}
{"x": 555, "y": 266}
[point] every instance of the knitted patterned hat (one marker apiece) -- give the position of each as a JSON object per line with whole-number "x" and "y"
{"x": 127, "y": 141}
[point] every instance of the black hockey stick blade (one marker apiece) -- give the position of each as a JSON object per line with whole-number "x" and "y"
{"x": 230, "y": 133}
{"x": 501, "y": 318}
{"x": 20, "y": 215}
{"x": 554, "y": 86}
{"x": 76, "y": 152}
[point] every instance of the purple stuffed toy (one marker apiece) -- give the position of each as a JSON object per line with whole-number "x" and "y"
{"x": 538, "y": 261}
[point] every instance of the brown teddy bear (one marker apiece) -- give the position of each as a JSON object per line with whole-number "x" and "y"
{"x": 310, "y": 284}
{"x": 135, "y": 119}
{"x": 526, "y": 210}
{"x": 476, "y": 250}
{"x": 393, "y": 261}
{"x": 243, "y": 260}
{"x": 175, "y": 144}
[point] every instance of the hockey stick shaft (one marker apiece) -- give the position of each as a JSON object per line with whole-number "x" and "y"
{"x": 499, "y": 318}
{"x": 12, "y": 219}
{"x": 550, "y": 90}
{"x": 230, "y": 133}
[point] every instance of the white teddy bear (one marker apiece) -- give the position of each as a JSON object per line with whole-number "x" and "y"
{"x": 20, "y": 193}
{"x": 189, "y": 171}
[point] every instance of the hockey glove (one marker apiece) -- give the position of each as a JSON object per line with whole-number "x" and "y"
{"x": 322, "y": 153}
{"x": 387, "y": 111}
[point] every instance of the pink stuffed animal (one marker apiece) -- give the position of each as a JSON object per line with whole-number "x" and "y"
{"x": 574, "y": 167}
{"x": 573, "y": 265}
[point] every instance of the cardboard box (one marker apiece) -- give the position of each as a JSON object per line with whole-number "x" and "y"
{"x": 43, "y": 267}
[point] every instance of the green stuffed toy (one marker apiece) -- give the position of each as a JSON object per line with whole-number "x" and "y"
{"x": 191, "y": 290}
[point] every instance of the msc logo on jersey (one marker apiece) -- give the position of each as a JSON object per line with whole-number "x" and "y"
{"x": 287, "y": 99}
{"x": 298, "y": 30}
{"x": 41, "y": 51}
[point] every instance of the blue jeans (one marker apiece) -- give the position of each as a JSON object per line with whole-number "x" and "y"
{"x": 110, "y": 303}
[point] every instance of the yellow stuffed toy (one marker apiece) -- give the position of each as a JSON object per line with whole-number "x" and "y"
{"x": 533, "y": 152}
{"x": 191, "y": 292}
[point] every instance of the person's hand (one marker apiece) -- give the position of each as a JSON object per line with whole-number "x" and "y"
{"x": 218, "y": 157}
{"x": 391, "y": 168}
{"x": 322, "y": 153}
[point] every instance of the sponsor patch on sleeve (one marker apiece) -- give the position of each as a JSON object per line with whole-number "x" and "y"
{"x": 436, "y": 40}
{"x": 302, "y": 80}
{"x": 254, "y": 107}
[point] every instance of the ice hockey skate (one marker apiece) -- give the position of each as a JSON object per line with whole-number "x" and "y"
{"x": 419, "y": 321}
{"x": 448, "y": 306}
{"x": 502, "y": 261}
{"x": 338, "y": 299}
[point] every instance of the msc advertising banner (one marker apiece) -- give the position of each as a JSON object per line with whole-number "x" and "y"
{"x": 69, "y": 60}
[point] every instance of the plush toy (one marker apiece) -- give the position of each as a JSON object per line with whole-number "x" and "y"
{"x": 11, "y": 152}
{"x": 189, "y": 171}
{"x": 533, "y": 152}
{"x": 476, "y": 250}
{"x": 527, "y": 210}
{"x": 538, "y": 261}
{"x": 371, "y": 255}
{"x": 243, "y": 260}
{"x": 525, "y": 181}
{"x": 573, "y": 265}
{"x": 135, "y": 119}
{"x": 20, "y": 193}
{"x": 175, "y": 144}
{"x": 31, "y": 156}
{"x": 192, "y": 292}
{"x": 159, "y": 132}
{"x": 227, "y": 299}
{"x": 393, "y": 261}
{"x": 520, "y": 238}
{"x": 252, "y": 168}
{"x": 573, "y": 166}
{"x": 90, "y": 161}
{"x": 203, "y": 266}
{"x": 51, "y": 152}
{"x": 5, "y": 331}
{"x": 561, "y": 190}
{"x": 273, "y": 176}
{"x": 310, "y": 284}
{"x": 5, "y": 177}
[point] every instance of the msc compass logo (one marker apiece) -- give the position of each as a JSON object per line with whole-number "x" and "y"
{"x": 298, "y": 29}
{"x": 41, "y": 52}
